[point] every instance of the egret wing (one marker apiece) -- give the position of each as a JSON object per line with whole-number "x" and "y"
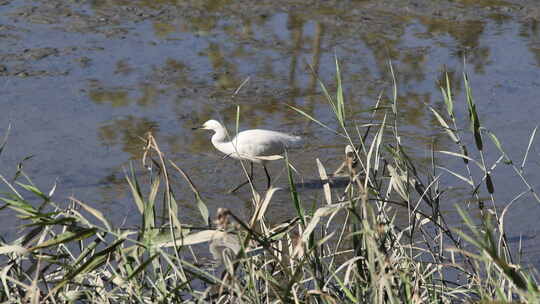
{"x": 261, "y": 142}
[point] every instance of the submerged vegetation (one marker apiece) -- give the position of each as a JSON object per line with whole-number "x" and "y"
{"x": 348, "y": 249}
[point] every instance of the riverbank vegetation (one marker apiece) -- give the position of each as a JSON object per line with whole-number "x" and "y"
{"x": 346, "y": 248}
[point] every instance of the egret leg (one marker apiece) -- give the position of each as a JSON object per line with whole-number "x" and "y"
{"x": 250, "y": 179}
{"x": 267, "y": 177}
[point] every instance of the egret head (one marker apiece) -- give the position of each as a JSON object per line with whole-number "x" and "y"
{"x": 210, "y": 125}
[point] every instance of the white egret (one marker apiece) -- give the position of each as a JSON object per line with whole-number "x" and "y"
{"x": 255, "y": 146}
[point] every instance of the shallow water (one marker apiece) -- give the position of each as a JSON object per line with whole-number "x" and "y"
{"x": 82, "y": 81}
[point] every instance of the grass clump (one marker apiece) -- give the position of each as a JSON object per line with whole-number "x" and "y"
{"x": 350, "y": 249}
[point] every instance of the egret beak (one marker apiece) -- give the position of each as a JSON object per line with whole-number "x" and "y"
{"x": 196, "y": 128}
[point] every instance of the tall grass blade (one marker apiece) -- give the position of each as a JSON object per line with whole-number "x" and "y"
{"x": 394, "y": 88}
{"x": 317, "y": 216}
{"x": 531, "y": 140}
{"x": 203, "y": 209}
{"x": 192, "y": 239}
{"x": 294, "y": 194}
{"x": 66, "y": 237}
{"x": 340, "y": 106}
{"x": 325, "y": 181}
{"x": 34, "y": 190}
{"x": 142, "y": 266}
{"x": 461, "y": 177}
{"x": 445, "y": 126}
{"x": 316, "y": 121}
{"x": 498, "y": 144}
{"x": 4, "y": 141}
{"x": 135, "y": 189}
{"x": 447, "y": 95}
{"x": 473, "y": 115}
{"x": 464, "y": 157}
{"x": 20, "y": 205}
{"x": 263, "y": 206}
{"x": 91, "y": 264}
{"x": 96, "y": 213}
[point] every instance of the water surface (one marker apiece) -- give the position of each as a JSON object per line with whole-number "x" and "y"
{"x": 81, "y": 82}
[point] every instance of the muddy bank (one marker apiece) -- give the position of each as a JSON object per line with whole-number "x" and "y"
{"x": 115, "y": 20}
